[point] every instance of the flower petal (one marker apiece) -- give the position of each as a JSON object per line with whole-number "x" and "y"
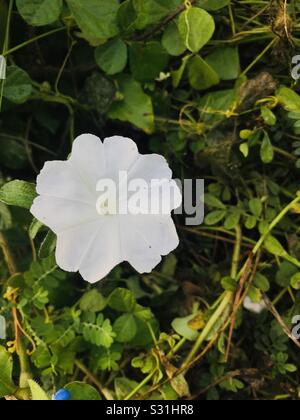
{"x": 60, "y": 214}
{"x": 88, "y": 156}
{"x": 104, "y": 252}
{"x": 145, "y": 238}
{"x": 61, "y": 180}
{"x": 151, "y": 167}
{"x": 121, "y": 155}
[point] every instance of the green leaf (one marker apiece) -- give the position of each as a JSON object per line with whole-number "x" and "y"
{"x": 34, "y": 228}
{"x": 152, "y": 11}
{"x": 112, "y": 56}
{"x": 213, "y": 202}
{"x": 172, "y": 40}
{"x": 39, "y": 12}
{"x": 96, "y": 19}
{"x": 268, "y": 116}
{"x": 147, "y": 60}
{"x": 18, "y": 193}
{"x": 17, "y": 86}
{"x": 273, "y": 246}
{"x": 125, "y": 328}
{"x": 215, "y": 217}
{"x": 201, "y": 75}
{"x": 212, "y": 4}
{"x": 232, "y": 219}
{"x": 37, "y": 393}
{"x": 99, "y": 333}
{"x": 256, "y": 207}
{"x": 92, "y": 301}
{"x": 136, "y": 107}
{"x": 261, "y": 282}
{"x": 196, "y": 28}
{"x": 225, "y": 62}
{"x": 244, "y": 149}
{"x": 7, "y": 387}
{"x": 181, "y": 327}
{"x": 81, "y": 391}
{"x": 289, "y": 99}
{"x": 295, "y": 281}
{"x": 266, "y": 150}
{"x": 122, "y": 300}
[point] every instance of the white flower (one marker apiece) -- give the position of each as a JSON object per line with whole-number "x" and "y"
{"x": 251, "y": 306}
{"x": 94, "y": 241}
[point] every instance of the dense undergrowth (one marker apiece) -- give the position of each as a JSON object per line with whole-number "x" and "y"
{"x": 207, "y": 84}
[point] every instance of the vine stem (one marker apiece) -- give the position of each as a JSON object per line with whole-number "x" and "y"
{"x": 5, "y": 45}
{"x": 139, "y": 386}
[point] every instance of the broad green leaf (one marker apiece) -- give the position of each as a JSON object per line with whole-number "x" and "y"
{"x": 34, "y": 228}
{"x": 201, "y": 75}
{"x": 37, "y": 393}
{"x": 212, "y": 4}
{"x": 6, "y": 365}
{"x": 172, "y": 40}
{"x": 225, "y": 62}
{"x": 152, "y": 11}
{"x": 136, "y": 107}
{"x": 196, "y": 28}
{"x": 81, "y": 391}
{"x": 122, "y": 300}
{"x": 112, "y": 56}
{"x": 96, "y": 19}
{"x": 92, "y": 301}
{"x": 125, "y": 328}
{"x": 39, "y": 12}
{"x": 18, "y": 193}
{"x": 147, "y": 60}
{"x": 266, "y": 150}
{"x": 17, "y": 86}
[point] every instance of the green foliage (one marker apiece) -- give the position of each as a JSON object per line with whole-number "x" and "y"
{"x": 200, "y": 83}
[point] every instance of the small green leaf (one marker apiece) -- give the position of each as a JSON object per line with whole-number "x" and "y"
{"x": 295, "y": 281}
{"x": 48, "y": 245}
{"x": 261, "y": 282}
{"x": 268, "y": 116}
{"x": 225, "y": 62}
{"x": 273, "y": 246}
{"x": 112, "y": 56}
{"x": 181, "y": 327}
{"x": 122, "y": 300}
{"x": 196, "y": 28}
{"x": 17, "y": 86}
{"x": 266, "y": 150}
{"x": 215, "y": 217}
{"x": 39, "y": 12}
{"x": 232, "y": 219}
{"x": 244, "y": 149}
{"x": 256, "y": 207}
{"x": 18, "y": 193}
{"x": 92, "y": 301}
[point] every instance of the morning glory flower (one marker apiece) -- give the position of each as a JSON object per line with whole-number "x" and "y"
{"x": 108, "y": 204}
{"x": 62, "y": 395}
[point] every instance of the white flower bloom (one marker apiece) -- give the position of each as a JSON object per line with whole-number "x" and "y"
{"x": 94, "y": 240}
{"x": 256, "y": 308}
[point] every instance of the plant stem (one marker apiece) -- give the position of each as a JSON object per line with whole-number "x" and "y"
{"x": 139, "y": 386}
{"x": 104, "y": 391}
